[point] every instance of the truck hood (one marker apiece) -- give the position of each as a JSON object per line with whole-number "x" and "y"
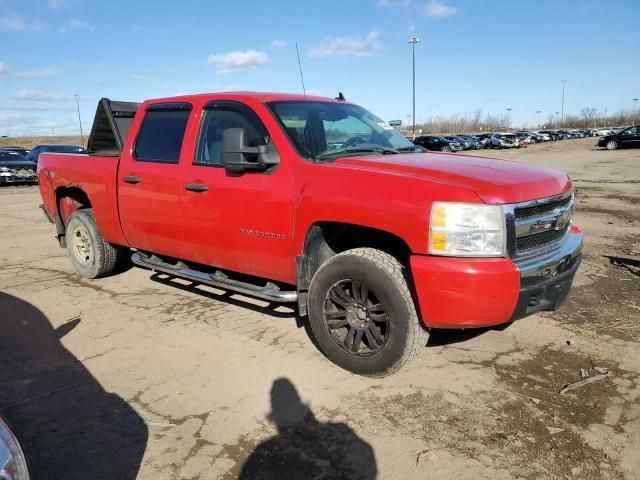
{"x": 493, "y": 180}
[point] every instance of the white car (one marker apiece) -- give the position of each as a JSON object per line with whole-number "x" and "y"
{"x": 601, "y": 132}
{"x": 545, "y": 136}
{"x": 504, "y": 140}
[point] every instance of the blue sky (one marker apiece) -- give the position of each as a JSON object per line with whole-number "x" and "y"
{"x": 473, "y": 54}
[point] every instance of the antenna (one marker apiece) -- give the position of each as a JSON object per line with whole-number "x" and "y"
{"x": 304, "y": 90}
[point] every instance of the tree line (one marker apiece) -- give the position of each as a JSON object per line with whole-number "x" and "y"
{"x": 478, "y": 121}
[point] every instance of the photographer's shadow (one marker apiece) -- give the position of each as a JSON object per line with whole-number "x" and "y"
{"x": 69, "y": 426}
{"x": 305, "y": 448}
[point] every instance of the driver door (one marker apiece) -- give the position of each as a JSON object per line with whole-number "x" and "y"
{"x": 239, "y": 222}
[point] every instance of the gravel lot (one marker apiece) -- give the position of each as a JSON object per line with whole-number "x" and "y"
{"x": 138, "y": 376}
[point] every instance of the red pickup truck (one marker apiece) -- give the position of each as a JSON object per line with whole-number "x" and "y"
{"x": 293, "y": 198}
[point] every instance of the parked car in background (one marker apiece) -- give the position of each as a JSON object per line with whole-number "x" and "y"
{"x": 437, "y": 143}
{"x": 627, "y": 138}
{"x": 544, "y": 134}
{"x": 475, "y": 141}
{"x": 523, "y": 139}
{"x": 16, "y": 168}
{"x": 466, "y": 144}
{"x": 504, "y": 140}
{"x": 20, "y": 150}
{"x": 35, "y": 153}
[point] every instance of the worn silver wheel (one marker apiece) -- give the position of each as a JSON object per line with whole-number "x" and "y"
{"x": 90, "y": 254}
{"x": 82, "y": 246}
{"x": 612, "y": 145}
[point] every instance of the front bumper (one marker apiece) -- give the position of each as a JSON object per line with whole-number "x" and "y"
{"x": 16, "y": 177}
{"x": 468, "y": 293}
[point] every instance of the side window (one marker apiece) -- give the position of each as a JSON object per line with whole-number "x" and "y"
{"x": 161, "y": 134}
{"x": 630, "y": 131}
{"x": 222, "y": 116}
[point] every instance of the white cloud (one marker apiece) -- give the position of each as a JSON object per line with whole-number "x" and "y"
{"x": 7, "y": 71}
{"x": 440, "y": 10}
{"x": 237, "y": 61}
{"x": 279, "y": 43}
{"x": 80, "y": 24}
{"x": 25, "y": 106}
{"x": 10, "y": 22}
{"x": 393, "y": 3}
{"x": 347, "y": 46}
{"x": 63, "y": 4}
{"x": 39, "y": 95}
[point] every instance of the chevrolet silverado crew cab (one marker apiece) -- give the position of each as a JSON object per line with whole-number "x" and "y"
{"x": 317, "y": 202}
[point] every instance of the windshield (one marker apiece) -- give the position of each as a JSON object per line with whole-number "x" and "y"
{"x": 322, "y": 130}
{"x": 12, "y": 157}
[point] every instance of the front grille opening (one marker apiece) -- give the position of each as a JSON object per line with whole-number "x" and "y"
{"x": 533, "y": 242}
{"x": 540, "y": 210}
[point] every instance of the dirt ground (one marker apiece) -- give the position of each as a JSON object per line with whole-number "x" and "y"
{"x": 139, "y": 376}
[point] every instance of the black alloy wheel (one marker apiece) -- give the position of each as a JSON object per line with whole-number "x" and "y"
{"x": 357, "y": 321}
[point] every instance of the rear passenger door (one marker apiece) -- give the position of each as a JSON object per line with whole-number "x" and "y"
{"x": 149, "y": 181}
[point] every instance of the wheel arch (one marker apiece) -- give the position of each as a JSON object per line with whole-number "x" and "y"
{"x": 324, "y": 239}
{"x": 68, "y": 200}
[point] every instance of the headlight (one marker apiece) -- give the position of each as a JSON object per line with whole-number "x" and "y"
{"x": 13, "y": 464}
{"x": 4, "y": 169}
{"x": 467, "y": 230}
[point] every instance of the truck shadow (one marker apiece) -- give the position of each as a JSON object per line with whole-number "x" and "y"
{"x": 305, "y": 448}
{"x": 69, "y": 426}
{"x": 438, "y": 337}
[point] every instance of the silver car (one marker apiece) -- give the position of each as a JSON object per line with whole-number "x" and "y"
{"x": 504, "y": 140}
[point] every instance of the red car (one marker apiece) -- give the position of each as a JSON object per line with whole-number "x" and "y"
{"x": 319, "y": 202}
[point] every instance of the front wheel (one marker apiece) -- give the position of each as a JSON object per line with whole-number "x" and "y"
{"x": 362, "y": 313}
{"x": 446, "y": 149}
{"x": 612, "y": 145}
{"x": 90, "y": 254}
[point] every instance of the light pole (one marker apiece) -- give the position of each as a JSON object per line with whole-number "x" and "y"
{"x": 562, "y": 109}
{"x": 413, "y": 41}
{"x": 79, "y": 120}
{"x": 635, "y": 109}
{"x": 538, "y": 113}
{"x": 509, "y": 119}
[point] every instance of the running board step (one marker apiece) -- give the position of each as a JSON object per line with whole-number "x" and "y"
{"x": 269, "y": 292}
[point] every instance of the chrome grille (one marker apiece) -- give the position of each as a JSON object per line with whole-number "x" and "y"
{"x": 538, "y": 226}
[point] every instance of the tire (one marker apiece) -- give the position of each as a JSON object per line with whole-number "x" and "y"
{"x": 611, "y": 145}
{"x": 446, "y": 149}
{"x": 365, "y": 289}
{"x": 90, "y": 254}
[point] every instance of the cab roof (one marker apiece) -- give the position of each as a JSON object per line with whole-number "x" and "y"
{"x": 263, "y": 97}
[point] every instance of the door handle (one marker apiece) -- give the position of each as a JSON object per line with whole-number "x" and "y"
{"x": 131, "y": 179}
{"x": 196, "y": 187}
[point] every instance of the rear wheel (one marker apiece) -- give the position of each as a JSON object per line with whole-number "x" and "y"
{"x": 362, "y": 313}
{"x": 90, "y": 254}
{"x": 611, "y": 145}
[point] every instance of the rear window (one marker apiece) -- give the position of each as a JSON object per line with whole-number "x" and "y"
{"x": 161, "y": 134}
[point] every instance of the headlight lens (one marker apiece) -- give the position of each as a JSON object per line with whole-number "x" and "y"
{"x": 467, "y": 230}
{"x": 13, "y": 464}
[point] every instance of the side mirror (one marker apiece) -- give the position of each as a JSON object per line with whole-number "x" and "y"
{"x": 238, "y": 157}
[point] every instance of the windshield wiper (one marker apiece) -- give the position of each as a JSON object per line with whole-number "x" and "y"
{"x": 412, "y": 148}
{"x": 347, "y": 151}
